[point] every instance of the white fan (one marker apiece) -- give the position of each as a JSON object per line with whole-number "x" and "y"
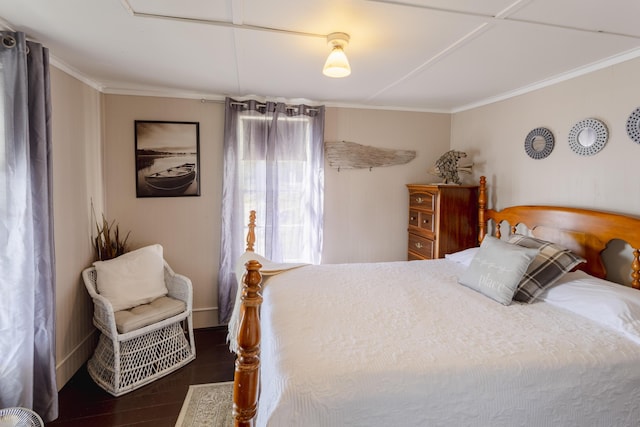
{"x": 19, "y": 417}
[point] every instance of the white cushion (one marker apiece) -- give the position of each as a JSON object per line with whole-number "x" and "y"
{"x": 147, "y": 314}
{"x": 135, "y": 278}
{"x": 463, "y": 257}
{"x": 610, "y": 304}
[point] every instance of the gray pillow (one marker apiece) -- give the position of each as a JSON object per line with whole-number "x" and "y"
{"x": 497, "y": 269}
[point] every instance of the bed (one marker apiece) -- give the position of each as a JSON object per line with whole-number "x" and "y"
{"x": 405, "y": 343}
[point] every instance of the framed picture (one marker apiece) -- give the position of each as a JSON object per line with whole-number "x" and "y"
{"x": 167, "y": 158}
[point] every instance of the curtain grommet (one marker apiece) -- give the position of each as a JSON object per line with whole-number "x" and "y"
{"x": 8, "y": 41}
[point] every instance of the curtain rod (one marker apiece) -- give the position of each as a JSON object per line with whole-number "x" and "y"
{"x": 260, "y": 104}
{"x": 244, "y": 104}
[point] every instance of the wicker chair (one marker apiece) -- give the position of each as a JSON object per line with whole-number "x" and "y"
{"x": 123, "y": 362}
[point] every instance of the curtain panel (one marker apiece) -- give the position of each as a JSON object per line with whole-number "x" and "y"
{"x": 273, "y": 164}
{"x": 27, "y": 263}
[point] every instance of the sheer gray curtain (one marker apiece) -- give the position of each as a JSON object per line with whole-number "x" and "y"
{"x": 27, "y": 272}
{"x": 273, "y": 164}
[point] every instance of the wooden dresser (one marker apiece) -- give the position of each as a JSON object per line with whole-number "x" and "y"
{"x": 442, "y": 219}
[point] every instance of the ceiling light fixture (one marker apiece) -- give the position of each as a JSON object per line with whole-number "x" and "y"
{"x": 337, "y": 64}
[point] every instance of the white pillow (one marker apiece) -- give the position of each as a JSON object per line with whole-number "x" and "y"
{"x": 463, "y": 257}
{"x": 134, "y": 278}
{"x": 497, "y": 268}
{"x": 607, "y": 303}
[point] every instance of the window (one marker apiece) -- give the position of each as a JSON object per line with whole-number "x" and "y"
{"x": 278, "y": 182}
{"x": 273, "y": 164}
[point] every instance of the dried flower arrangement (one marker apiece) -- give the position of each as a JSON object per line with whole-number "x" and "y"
{"x": 107, "y": 243}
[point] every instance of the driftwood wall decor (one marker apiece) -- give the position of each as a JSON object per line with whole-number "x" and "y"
{"x": 350, "y": 155}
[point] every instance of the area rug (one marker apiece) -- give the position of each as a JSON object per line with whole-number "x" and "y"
{"x": 207, "y": 405}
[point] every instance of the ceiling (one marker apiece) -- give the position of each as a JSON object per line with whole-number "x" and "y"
{"x": 424, "y": 55}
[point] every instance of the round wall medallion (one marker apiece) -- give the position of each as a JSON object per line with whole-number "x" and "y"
{"x": 539, "y": 143}
{"x": 588, "y": 136}
{"x": 633, "y": 125}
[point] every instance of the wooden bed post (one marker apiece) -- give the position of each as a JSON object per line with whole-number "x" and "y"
{"x": 247, "y": 372}
{"x": 251, "y": 235}
{"x": 482, "y": 206}
{"x": 635, "y": 269}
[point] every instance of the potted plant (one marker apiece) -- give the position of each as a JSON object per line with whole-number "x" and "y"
{"x": 108, "y": 244}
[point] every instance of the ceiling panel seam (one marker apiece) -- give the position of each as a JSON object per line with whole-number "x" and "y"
{"x": 237, "y": 14}
{"x": 499, "y": 18}
{"x": 215, "y": 23}
{"x": 512, "y": 8}
{"x": 236, "y": 49}
{"x": 467, "y": 38}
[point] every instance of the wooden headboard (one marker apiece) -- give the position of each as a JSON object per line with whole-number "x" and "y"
{"x": 585, "y": 232}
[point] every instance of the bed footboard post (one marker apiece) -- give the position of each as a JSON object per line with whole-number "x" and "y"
{"x": 251, "y": 235}
{"x": 247, "y": 371}
{"x": 482, "y": 206}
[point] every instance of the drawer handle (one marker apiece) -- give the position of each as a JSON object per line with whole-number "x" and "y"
{"x": 419, "y": 200}
{"x": 419, "y": 245}
{"x": 425, "y": 221}
{"x": 412, "y": 218}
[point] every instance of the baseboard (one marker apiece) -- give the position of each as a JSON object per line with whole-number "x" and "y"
{"x": 205, "y": 317}
{"x": 69, "y": 365}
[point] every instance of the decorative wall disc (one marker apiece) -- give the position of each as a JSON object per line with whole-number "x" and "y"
{"x": 588, "y": 136}
{"x": 633, "y": 125}
{"x": 539, "y": 143}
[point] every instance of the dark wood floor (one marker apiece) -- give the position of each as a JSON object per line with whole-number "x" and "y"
{"x": 83, "y": 403}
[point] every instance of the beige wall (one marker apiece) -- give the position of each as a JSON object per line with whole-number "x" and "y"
{"x": 188, "y": 228}
{"x": 366, "y": 211}
{"x": 495, "y": 135}
{"x": 77, "y": 179}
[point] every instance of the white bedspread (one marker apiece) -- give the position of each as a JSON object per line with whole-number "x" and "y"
{"x": 402, "y": 344}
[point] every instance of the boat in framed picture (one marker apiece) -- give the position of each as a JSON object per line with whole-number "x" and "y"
{"x": 172, "y": 179}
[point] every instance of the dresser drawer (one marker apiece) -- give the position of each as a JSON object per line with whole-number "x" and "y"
{"x": 414, "y": 218}
{"x": 423, "y": 221}
{"x": 414, "y": 257}
{"x": 422, "y": 201}
{"x": 421, "y": 246}
{"x": 426, "y": 221}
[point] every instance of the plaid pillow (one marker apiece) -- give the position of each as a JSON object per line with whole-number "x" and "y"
{"x": 551, "y": 263}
